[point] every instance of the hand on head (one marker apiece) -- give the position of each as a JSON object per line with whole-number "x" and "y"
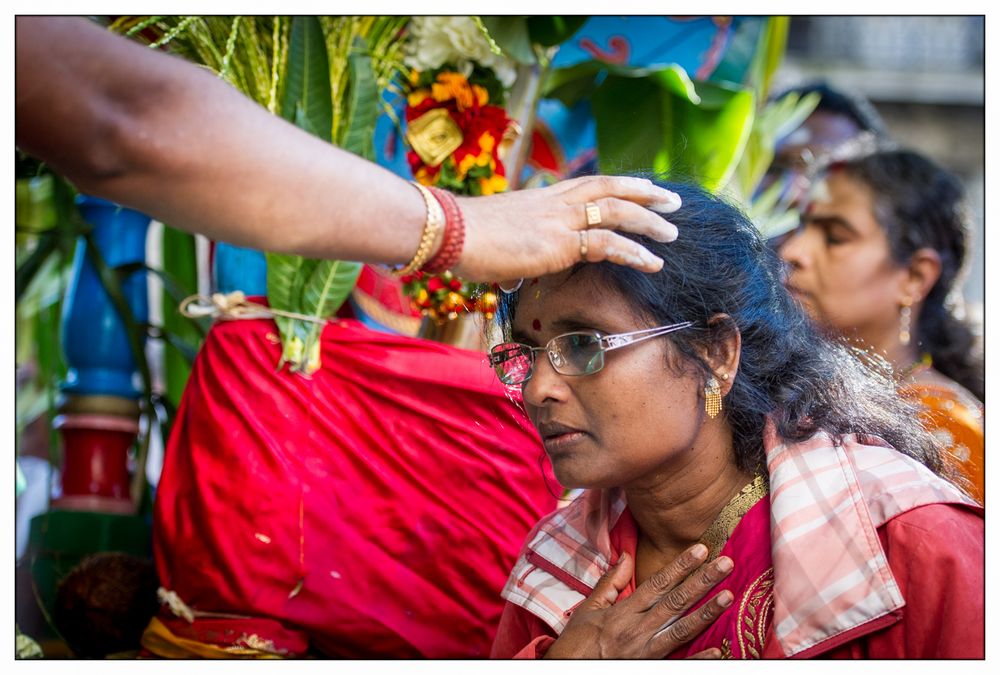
{"x": 531, "y": 233}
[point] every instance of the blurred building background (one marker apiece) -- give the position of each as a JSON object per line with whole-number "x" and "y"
{"x": 925, "y": 76}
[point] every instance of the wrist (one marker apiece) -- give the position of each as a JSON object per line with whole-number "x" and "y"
{"x": 430, "y": 236}
{"x": 453, "y": 236}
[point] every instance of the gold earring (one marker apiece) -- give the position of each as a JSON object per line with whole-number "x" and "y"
{"x": 713, "y": 397}
{"x": 904, "y": 322}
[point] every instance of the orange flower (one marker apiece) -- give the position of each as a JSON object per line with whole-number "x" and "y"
{"x": 454, "y": 86}
{"x": 467, "y": 163}
{"x": 482, "y": 97}
{"x": 424, "y": 177}
{"x": 487, "y": 142}
{"x": 493, "y": 184}
{"x": 417, "y": 97}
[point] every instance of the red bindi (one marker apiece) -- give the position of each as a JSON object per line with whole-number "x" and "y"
{"x": 536, "y": 325}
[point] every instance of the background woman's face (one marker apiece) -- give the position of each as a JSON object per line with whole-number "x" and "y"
{"x": 622, "y": 426}
{"x": 841, "y": 268}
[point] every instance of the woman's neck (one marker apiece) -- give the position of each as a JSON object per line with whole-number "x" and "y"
{"x": 673, "y": 509}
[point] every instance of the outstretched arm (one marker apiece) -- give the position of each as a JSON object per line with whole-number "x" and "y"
{"x": 156, "y": 133}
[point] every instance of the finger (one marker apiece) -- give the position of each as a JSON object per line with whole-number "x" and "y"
{"x": 684, "y": 630}
{"x": 618, "y": 214}
{"x": 639, "y": 190}
{"x": 611, "y": 584}
{"x": 712, "y": 653}
{"x": 650, "y": 592}
{"x": 691, "y": 590}
{"x": 607, "y": 245}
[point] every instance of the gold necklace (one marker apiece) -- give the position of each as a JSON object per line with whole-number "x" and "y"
{"x": 718, "y": 533}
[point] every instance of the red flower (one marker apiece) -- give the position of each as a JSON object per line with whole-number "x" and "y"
{"x": 455, "y": 285}
{"x": 435, "y": 284}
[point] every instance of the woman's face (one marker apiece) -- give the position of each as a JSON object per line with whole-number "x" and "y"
{"x": 841, "y": 268}
{"x": 622, "y": 426}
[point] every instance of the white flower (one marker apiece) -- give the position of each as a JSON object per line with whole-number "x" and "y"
{"x": 436, "y": 40}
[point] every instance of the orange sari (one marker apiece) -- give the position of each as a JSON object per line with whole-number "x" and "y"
{"x": 955, "y": 417}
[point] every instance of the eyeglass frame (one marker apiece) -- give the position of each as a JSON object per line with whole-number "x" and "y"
{"x": 606, "y": 342}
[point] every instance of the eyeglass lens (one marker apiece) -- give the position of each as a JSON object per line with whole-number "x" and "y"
{"x": 573, "y": 354}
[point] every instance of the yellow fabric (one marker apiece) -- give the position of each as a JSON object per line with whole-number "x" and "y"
{"x": 158, "y": 639}
{"x": 956, "y": 419}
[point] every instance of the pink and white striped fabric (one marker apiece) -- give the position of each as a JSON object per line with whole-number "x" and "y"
{"x": 827, "y": 500}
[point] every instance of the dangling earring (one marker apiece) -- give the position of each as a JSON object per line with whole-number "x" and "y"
{"x": 904, "y": 322}
{"x": 713, "y": 397}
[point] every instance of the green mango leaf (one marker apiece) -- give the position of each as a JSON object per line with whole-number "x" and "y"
{"x": 324, "y": 292}
{"x": 510, "y": 33}
{"x": 550, "y": 31}
{"x": 579, "y": 81}
{"x": 307, "y": 79}
{"x": 632, "y": 125}
{"x": 662, "y": 121}
{"x": 361, "y": 103}
{"x": 716, "y": 132}
{"x": 286, "y": 276}
{"x": 317, "y": 288}
{"x": 674, "y": 78}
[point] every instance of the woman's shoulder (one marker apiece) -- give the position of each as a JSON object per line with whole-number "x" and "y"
{"x": 936, "y": 391}
{"x": 947, "y": 408}
{"x": 948, "y": 533}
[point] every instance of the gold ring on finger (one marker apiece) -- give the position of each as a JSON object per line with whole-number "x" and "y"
{"x": 593, "y": 214}
{"x": 584, "y": 243}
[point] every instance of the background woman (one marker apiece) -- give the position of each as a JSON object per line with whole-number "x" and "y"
{"x": 698, "y": 406}
{"x": 878, "y": 258}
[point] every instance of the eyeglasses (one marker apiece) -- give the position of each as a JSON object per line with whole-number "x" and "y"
{"x": 580, "y": 353}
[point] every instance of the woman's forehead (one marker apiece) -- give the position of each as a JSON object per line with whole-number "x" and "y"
{"x": 579, "y": 296}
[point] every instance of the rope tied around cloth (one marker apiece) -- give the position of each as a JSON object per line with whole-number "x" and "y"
{"x": 230, "y": 306}
{"x": 177, "y": 606}
{"x": 181, "y": 610}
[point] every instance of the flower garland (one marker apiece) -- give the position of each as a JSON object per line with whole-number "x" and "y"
{"x": 455, "y": 133}
{"x": 456, "y": 129}
{"x": 442, "y": 297}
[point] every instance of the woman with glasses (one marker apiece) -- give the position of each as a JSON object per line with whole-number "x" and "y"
{"x": 751, "y": 490}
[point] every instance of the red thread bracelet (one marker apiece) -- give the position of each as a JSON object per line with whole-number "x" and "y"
{"x": 454, "y": 233}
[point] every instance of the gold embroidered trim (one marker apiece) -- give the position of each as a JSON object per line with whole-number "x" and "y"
{"x": 718, "y": 533}
{"x": 754, "y": 616}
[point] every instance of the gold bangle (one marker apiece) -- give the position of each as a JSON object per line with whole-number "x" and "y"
{"x": 432, "y": 226}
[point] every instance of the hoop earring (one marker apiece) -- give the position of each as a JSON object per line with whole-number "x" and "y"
{"x": 713, "y": 397}
{"x": 904, "y": 322}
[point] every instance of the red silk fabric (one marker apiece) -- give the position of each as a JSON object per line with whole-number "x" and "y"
{"x": 377, "y": 506}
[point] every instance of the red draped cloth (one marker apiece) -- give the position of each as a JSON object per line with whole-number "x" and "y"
{"x": 372, "y": 510}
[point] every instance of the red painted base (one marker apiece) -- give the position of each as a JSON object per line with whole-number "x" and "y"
{"x": 95, "y": 473}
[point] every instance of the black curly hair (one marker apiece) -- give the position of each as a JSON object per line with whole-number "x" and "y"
{"x": 787, "y": 371}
